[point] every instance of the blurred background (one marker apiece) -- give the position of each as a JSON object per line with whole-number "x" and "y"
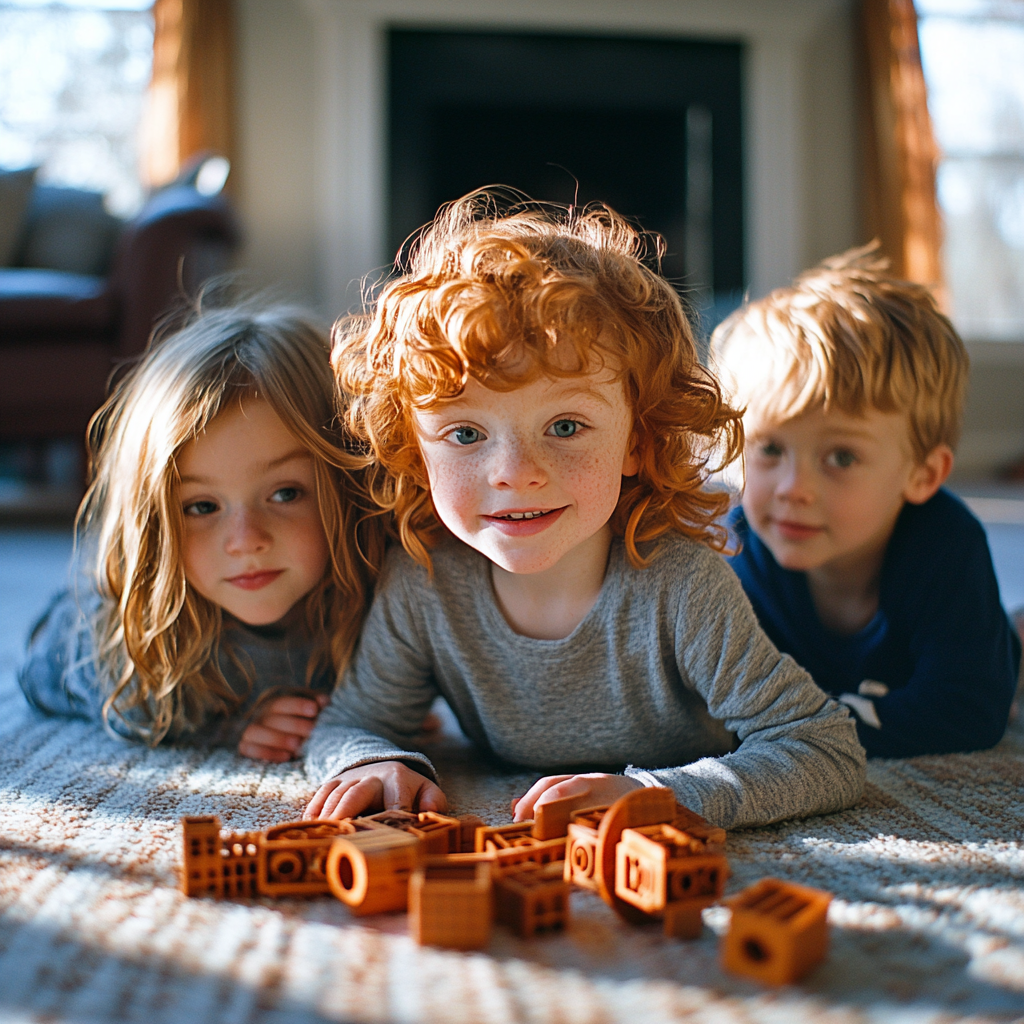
{"x": 146, "y": 147}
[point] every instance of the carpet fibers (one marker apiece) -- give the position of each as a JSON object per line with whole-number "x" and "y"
{"x": 927, "y": 924}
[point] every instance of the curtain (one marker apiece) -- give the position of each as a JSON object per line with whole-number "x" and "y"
{"x": 900, "y": 153}
{"x": 190, "y": 108}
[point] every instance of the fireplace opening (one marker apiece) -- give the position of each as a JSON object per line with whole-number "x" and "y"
{"x": 653, "y": 127}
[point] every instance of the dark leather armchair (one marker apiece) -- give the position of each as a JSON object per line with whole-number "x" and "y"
{"x": 62, "y": 335}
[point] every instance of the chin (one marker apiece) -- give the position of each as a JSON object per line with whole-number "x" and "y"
{"x": 522, "y": 562}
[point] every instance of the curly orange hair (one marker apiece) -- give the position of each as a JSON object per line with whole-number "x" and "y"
{"x": 505, "y": 298}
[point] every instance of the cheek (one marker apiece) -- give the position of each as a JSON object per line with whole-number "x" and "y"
{"x": 453, "y": 485}
{"x": 197, "y": 556}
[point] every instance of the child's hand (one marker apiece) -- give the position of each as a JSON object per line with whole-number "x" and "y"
{"x": 282, "y": 727}
{"x": 600, "y": 789}
{"x": 384, "y": 785}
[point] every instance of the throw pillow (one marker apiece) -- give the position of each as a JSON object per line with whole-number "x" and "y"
{"x": 15, "y": 190}
{"x": 68, "y": 229}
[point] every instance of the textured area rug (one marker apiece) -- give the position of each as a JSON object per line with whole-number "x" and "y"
{"x": 927, "y": 924}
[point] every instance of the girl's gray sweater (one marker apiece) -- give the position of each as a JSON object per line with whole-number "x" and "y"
{"x": 669, "y": 677}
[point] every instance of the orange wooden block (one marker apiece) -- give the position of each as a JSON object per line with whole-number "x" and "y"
{"x": 648, "y": 806}
{"x": 779, "y": 931}
{"x": 369, "y": 871}
{"x": 536, "y": 852}
{"x": 551, "y": 820}
{"x": 659, "y": 864}
{"x": 468, "y": 824}
{"x": 222, "y": 865}
{"x": 293, "y": 857}
{"x": 581, "y": 847}
{"x": 438, "y": 833}
{"x": 532, "y": 898}
{"x": 684, "y": 920}
{"x": 503, "y": 837}
{"x": 450, "y": 902}
{"x": 700, "y": 828}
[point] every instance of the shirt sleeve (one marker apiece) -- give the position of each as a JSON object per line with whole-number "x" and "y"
{"x": 59, "y": 676}
{"x": 965, "y": 654}
{"x": 798, "y": 752}
{"x": 387, "y": 690}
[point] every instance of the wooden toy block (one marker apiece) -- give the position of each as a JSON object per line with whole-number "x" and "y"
{"x": 551, "y": 820}
{"x": 690, "y": 821}
{"x": 779, "y": 931}
{"x": 438, "y": 833}
{"x": 468, "y": 824}
{"x": 532, "y": 898}
{"x": 369, "y": 870}
{"x": 648, "y": 806}
{"x": 222, "y": 865}
{"x": 293, "y": 857}
{"x": 683, "y": 919}
{"x": 537, "y": 852}
{"x": 581, "y": 847}
{"x": 659, "y": 864}
{"x": 450, "y": 902}
{"x": 503, "y": 837}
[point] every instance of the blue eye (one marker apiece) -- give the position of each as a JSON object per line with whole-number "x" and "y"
{"x": 201, "y": 508}
{"x": 285, "y": 494}
{"x": 466, "y": 435}
{"x": 564, "y": 428}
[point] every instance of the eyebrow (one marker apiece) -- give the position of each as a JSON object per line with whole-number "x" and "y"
{"x": 295, "y": 453}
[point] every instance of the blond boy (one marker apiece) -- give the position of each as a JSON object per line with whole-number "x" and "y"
{"x": 857, "y": 561}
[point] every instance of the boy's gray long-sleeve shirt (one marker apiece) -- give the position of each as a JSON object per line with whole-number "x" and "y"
{"x": 663, "y": 676}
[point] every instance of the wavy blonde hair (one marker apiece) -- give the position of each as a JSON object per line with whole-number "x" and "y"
{"x": 157, "y": 639}
{"x": 505, "y": 298}
{"x": 847, "y": 335}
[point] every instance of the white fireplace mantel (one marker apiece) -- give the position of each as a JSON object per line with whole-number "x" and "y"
{"x": 350, "y": 98}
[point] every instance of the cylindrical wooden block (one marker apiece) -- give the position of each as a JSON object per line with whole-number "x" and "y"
{"x": 369, "y": 871}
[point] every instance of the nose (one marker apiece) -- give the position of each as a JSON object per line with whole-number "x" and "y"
{"x": 246, "y": 533}
{"x": 516, "y": 466}
{"x": 794, "y": 482}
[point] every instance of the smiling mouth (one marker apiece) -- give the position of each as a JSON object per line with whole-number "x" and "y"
{"x": 517, "y": 516}
{"x": 255, "y": 580}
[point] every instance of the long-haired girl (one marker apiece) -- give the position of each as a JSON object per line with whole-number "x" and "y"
{"x": 224, "y": 562}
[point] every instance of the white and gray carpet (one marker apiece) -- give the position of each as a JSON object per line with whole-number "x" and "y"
{"x": 927, "y": 924}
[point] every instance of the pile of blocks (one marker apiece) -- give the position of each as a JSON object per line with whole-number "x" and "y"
{"x": 649, "y": 858}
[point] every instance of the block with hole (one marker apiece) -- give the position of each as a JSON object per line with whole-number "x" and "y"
{"x": 503, "y": 837}
{"x": 468, "y": 824}
{"x": 439, "y": 833}
{"x": 581, "y": 847}
{"x": 293, "y": 857}
{"x": 451, "y": 901}
{"x": 778, "y": 932}
{"x": 223, "y": 865}
{"x": 532, "y": 898}
{"x": 369, "y": 871}
{"x": 660, "y": 864}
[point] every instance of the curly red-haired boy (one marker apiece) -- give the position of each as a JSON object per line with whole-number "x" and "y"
{"x": 542, "y": 431}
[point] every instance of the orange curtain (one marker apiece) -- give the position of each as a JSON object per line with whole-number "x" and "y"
{"x": 191, "y": 95}
{"x": 900, "y": 152}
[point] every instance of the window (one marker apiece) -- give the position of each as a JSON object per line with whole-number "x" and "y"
{"x": 973, "y": 57}
{"x": 73, "y": 82}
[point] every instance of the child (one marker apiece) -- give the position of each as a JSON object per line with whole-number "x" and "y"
{"x": 858, "y": 563}
{"x": 542, "y": 431}
{"x": 227, "y": 583}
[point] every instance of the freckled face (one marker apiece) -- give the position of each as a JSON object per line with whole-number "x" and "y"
{"x": 254, "y": 539}
{"x": 525, "y": 476}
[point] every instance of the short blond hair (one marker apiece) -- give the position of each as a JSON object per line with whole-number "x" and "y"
{"x": 847, "y": 336}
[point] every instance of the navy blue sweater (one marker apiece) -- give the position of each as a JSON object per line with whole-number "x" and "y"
{"x": 940, "y": 641}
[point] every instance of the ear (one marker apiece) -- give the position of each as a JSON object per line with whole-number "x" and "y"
{"x": 929, "y": 475}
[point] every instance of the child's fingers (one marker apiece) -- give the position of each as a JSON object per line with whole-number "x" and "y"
{"x": 315, "y": 806}
{"x": 292, "y": 725}
{"x": 431, "y": 798}
{"x": 304, "y": 707}
{"x": 259, "y": 752}
{"x": 268, "y": 737}
{"x": 354, "y": 797}
{"x": 522, "y": 809}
